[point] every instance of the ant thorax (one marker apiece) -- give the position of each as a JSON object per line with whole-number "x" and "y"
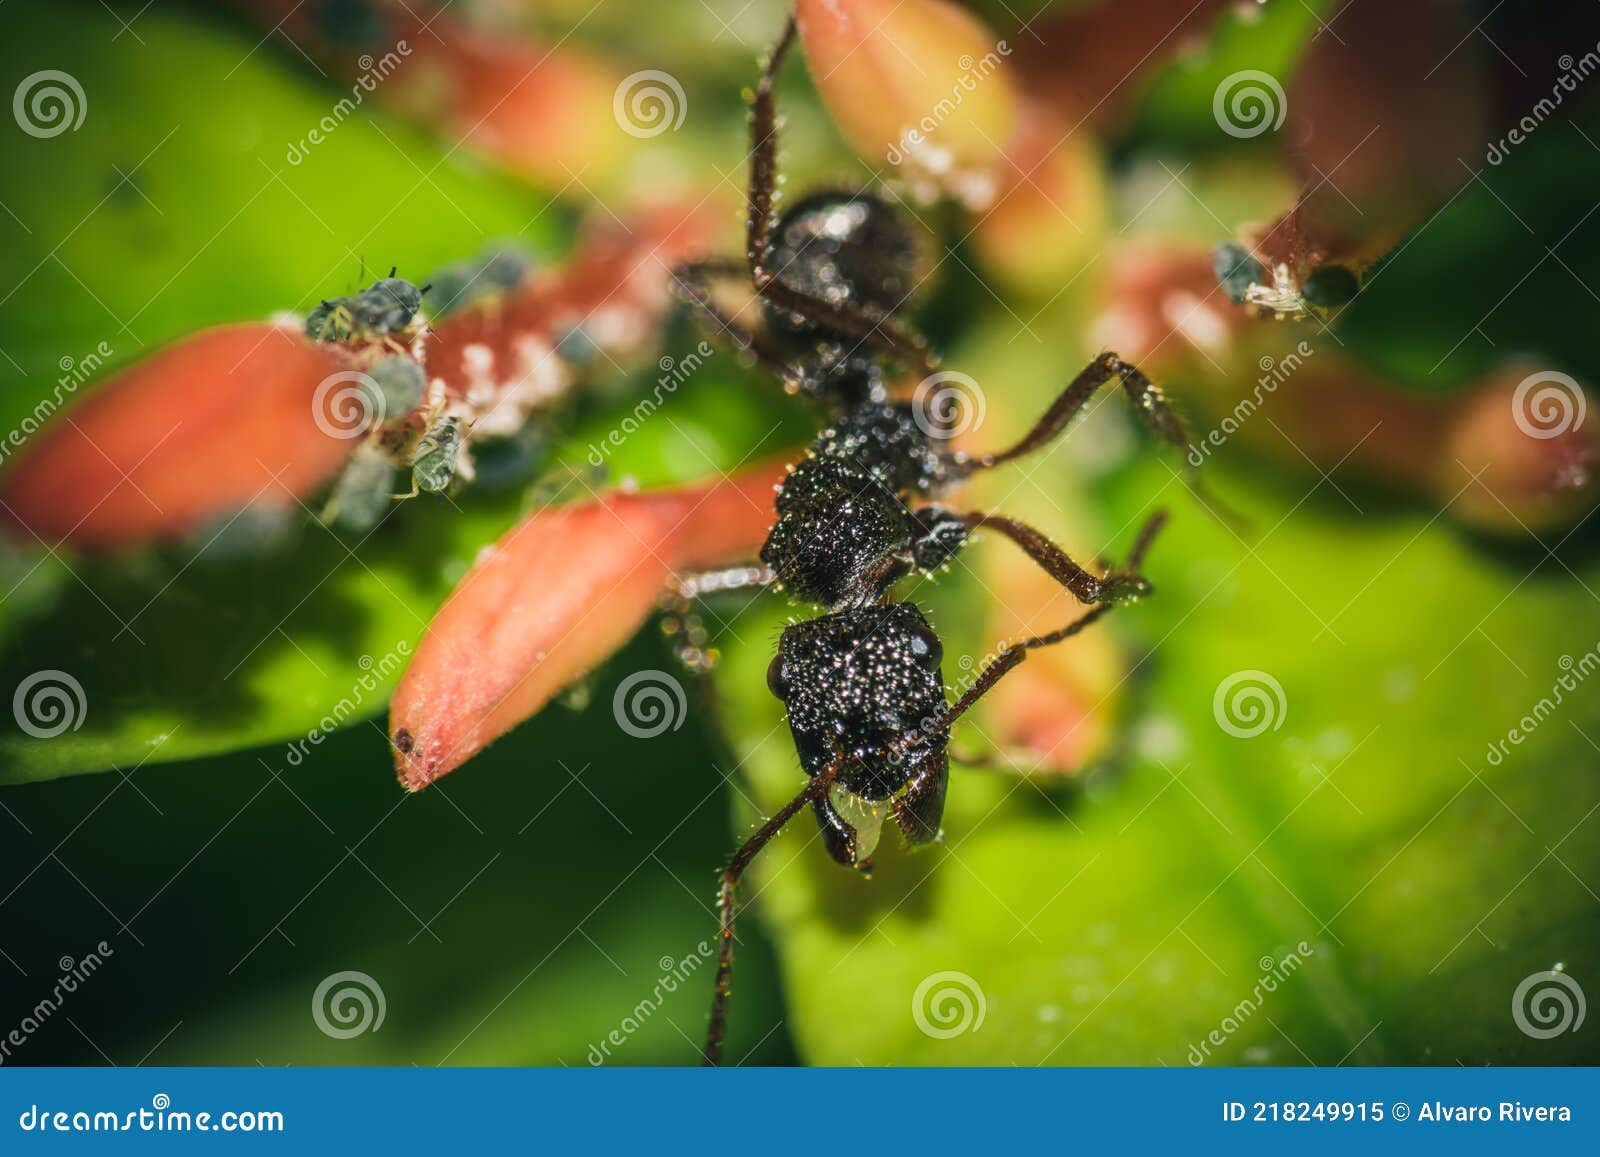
{"x": 887, "y": 439}
{"x": 843, "y": 531}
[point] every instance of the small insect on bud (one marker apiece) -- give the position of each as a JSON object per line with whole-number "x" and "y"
{"x": 433, "y": 467}
{"x": 921, "y": 84}
{"x": 1236, "y": 270}
{"x": 386, "y": 307}
{"x": 363, "y": 492}
{"x": 399, "y": 384}
{"x": 493, "y": 272}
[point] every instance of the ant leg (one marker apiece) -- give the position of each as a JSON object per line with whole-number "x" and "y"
{"x": 764, "y": 159}
{"x": 692, "y": 281}
{"x": 1116, "y": 586}
{"x": 1147, "y": 397}
{"x": 815, "y": 789}
{"x": 691, "y": 644}
{"x": 1012, "y": 654}
{"x": 877, "y": 331}
{"x": 869, "y": 327}
{"x": 680, "y": 621}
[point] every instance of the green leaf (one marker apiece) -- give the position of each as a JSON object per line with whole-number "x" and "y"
{"x": 1178, "y": 106}
{"x": 478, "y": 907}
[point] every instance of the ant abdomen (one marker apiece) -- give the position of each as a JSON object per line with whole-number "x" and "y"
{"x": 849, "y": 248}
{"x": 844, "y": 531}
{"x": 886, "y": 439}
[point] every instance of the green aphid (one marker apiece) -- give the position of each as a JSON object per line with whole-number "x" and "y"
{"x": 387, "y": 306}
{"x": 362, "y": 493}
{"x": 505, "y": 266}
{"x": 433, "y": 466}
{"x": 399, "y": 384}
{"x": 494, "y": 270}
{"x": 331, "y": 320}
{"x": 1235, "y": 270}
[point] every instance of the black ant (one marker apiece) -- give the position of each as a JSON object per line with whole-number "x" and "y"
{"x": 862, "y": 684}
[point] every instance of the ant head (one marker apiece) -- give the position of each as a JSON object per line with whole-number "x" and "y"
{"x": 847, "y": 248}
{"x": 861, "y": 681}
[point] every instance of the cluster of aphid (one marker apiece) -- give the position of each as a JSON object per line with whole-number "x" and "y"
{"x": 861, "y": 683}
{"x": 1283, "y": 295}
{"x": 410, "y": 426}
{"x": 383, "y": 324}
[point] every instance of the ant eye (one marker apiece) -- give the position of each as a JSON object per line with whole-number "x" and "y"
{"x": 777, "y": 681}
{"x": 925, "y": 645}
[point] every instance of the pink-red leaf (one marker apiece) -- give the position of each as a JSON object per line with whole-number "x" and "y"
{"x": 202, "y": 428}
{"x": 553, "y": 598}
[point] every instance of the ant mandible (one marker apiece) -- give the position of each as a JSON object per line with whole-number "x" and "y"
{"x": 862, "y": 684}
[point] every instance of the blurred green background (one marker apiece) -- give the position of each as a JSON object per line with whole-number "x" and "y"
{"x": 521, "y": 910}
